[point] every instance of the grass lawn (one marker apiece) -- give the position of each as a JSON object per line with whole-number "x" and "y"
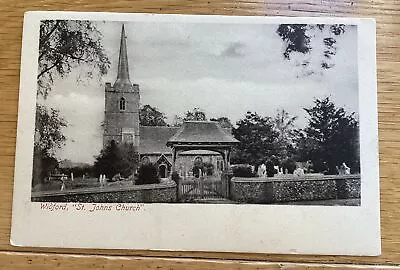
{"x": 77, "y": 183}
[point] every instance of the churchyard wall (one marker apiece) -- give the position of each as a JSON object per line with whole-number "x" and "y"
{"x": 291, "y": 188}
{"x": 156, "y": 193}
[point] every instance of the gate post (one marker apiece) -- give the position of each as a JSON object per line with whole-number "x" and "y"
{"x": 179, "y": 186}
{"x": 226, "y": 181}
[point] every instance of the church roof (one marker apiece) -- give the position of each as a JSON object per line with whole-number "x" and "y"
{"x": 153, "y": 140}
{"x": 202, "y": 132}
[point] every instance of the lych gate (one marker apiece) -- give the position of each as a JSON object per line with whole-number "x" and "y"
{"x": 203, "y": 135}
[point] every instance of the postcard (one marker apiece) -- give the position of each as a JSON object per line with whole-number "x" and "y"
{"x": 197, "y": 133}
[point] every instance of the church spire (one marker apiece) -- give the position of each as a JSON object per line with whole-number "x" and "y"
{"x": 123, "y": 69}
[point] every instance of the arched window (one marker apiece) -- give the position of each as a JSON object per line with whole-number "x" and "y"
{"x": 145, "y": 160}
{"x": 122, "y": 104}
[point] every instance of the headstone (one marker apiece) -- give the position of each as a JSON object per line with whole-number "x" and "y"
{"x": 298, "y": 172}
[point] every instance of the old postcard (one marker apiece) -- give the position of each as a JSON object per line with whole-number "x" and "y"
{"x": 209, "y": 133}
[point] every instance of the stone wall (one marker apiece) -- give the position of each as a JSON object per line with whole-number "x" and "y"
{"x": 285, "y": 189}
{"x": 157, "y": 193}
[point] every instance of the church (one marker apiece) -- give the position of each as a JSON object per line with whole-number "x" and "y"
{"x": 122, "y": 124}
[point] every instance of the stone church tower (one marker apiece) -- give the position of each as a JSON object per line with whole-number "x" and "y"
{"x": 121, "y": 115}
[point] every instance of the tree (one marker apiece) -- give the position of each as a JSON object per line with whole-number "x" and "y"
{"x": 48, "y": 139}
{"x": 117, "y": 159}
{"x": 178, "y": 121}
{"x": 257, "y": 139}
{"x": 48, "y": 128}
{"x": 151, "y": 116}
{"x": 299, "y": 37}
{"x": 63, "y": 46}
{"x": 195, "y": 115}
{"x": 224, "y": 122}
{"x": 330, "y": 138}
{"x": 284, "y": 125}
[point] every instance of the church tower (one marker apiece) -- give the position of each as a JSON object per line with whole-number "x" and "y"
{"x": 121, "y": 115}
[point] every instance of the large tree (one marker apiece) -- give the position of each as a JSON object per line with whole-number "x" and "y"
{"x": 48, "y": 139}
{"x": 284, "y": 125}
{"x": 257, "y": 139}
{"x": 330, "y": 138}
{"x": 151, "y": 116}
{"x": 117, "y": 159}
{"x": 63, "y": 46}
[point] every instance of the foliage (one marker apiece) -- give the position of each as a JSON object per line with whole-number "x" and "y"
{"x": 114, "y": 159}
{"x": 147, "y": 174}
{"x": 289, "y": 165}
{"x": 330, "y": 138}
{"x": 196, "y": 170}
{"x": 208, "y": 168}
{"x": 178, "y": 121}
{"x": 63, "y": 45}
{"x": 129, "y": 156}
{"x": 43, "y": 166}
{"x": 257, "y": 139}
{"x": 66, "y": 44}
{"x": 151, "y": 116}
{"x": 224, "y": 122}
{"x": 284, "y": 125}
{"x": 48, "y": 139}
{"x": 298, "y": 38}
{"x": 48, "y": 128}
{"x": 271, "y": 171}
{"x": 194, "y": 115}
{"x": 242, "y": 170}
{"x": 175, "y": 176}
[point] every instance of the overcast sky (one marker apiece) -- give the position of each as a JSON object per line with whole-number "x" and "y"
{"x": 224, "y": 69}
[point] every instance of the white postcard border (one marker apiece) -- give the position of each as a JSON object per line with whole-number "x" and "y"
{"x": 334, "y": 230}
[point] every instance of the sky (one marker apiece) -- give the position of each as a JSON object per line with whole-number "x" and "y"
{"x": 224, "y": 69}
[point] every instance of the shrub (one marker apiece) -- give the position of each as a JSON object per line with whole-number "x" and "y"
{"x": 196, "y": 170}
{"x": 289, "y": 164}
{"x": 147, "y": 174}
{"x": 175, "y": 176}
{"x": 242, "y": 171}
{"x": 208, "y": 168}
{"x": 271, "y": 171}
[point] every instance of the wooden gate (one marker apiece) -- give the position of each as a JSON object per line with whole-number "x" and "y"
{"x": 202, "y": 188}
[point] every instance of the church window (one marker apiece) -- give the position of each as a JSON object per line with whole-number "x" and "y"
{"x": 122, "y": 104}
{"x": 145, "y": 160}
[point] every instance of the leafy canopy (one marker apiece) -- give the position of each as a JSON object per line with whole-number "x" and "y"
{"x": 299, "y": 38}
{"x": 151, "y": 116}
{"x": 67, "y": 44}
{"x": 330, "y": 138}
{"x": 114, "y": 159}
{"x": 257, "y": 137}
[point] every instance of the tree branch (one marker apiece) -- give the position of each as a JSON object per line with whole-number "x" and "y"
{"x": 42, "y": 41}
{"x": 47, "y": 69}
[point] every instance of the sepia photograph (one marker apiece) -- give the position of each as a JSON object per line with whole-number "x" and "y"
{"x": 212, "y": 113}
